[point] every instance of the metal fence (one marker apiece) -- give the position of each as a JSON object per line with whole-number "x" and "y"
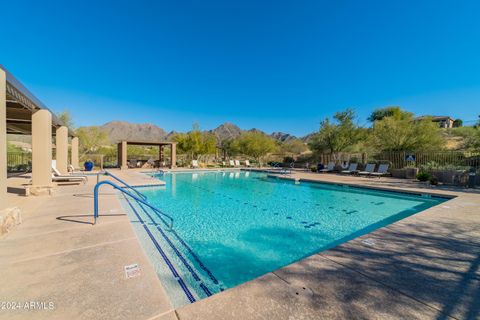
{"x": 110, "y": 162}
{"x": 19, "y": 161}
{"x": 452, "y": 159}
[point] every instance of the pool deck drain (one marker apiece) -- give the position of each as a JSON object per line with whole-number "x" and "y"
{"x": 426, "y": 266}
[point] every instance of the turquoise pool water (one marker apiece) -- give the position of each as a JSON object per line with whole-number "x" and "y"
{"x": 231, "y": 227}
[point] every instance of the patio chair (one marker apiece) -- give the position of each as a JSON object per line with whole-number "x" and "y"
{"x": 71, "y": 169}
{"x": 329, "y": 168}
{"x": 195, "y": 164}
{"x": 232, "y": 164}
{"x": 69, "y": 178}
{"x": 368, "y": 169}
{"x": 352, "y": 168}
{"x": 247, "y": 163}
{"x": 151, "y": 163}
{"x": 57, "y": 173}
{"x": 132, "y": 163}
{"x": 382, "y": 171}
{"x": 237, "y": 163}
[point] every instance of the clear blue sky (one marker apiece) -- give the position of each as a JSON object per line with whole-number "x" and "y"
{"x": 273, "y": 65}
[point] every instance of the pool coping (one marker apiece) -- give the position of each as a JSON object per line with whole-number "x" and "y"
{"x": 333, "y": 284}
{"x": 442, "y": 195}
{"x": 416, "y": 193}
{"x": 210, "y": 308}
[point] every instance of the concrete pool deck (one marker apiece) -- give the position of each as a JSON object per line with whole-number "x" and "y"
{"x": 426, "y": 266}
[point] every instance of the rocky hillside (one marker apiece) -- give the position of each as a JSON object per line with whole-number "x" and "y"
{"x": 226, "y": 131}
{"x": 281, "y": 136}
{"x": 120, "y": 130}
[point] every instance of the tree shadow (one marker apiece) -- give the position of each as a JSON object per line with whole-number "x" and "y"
{"x": 416, "y": 272}
{"x": 415, "y": 184}
{"x": 435, "y": 268}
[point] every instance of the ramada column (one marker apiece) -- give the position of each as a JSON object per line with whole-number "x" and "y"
{"x": 173, "y": 156}
{"x": 3, "y": 140}
{"x": 122, "y": 155}
{"x": 161, "y": 156}
{"x": 42, "y": 148}
{"x": 62, "y": 149}
{"x": 74, "y": 154}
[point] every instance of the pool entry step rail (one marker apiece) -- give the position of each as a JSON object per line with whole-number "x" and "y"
{"x": 131, "y": 195}
{"x": 141, "y": 195}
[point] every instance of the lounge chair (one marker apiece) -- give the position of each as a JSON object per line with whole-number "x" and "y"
{"x": 132, "y": 163}
{"x": 194, "y": 164}
{"x": 307, "y": 167}
{"x": 151, "y": 163}
{"x": 368, "y": 169}
{"x": 329, "y": 168}
{"x": 352, "y": 168}
{"x": 237, "y": 163}
{"x": 232, "y": 164}
{"x": 57, "y": 173}
{"x": 70, "y": 169}
{"x": 247, "y": 163}
{"x": 68, "y": 178}
{"x": 382, "y": 171}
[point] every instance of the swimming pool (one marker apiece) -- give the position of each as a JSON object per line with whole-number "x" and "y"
{"x": 233, "y": 226}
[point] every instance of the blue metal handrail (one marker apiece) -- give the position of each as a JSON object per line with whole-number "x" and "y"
{"x": 142, "y": 201}
{"x": 141, "y": 195}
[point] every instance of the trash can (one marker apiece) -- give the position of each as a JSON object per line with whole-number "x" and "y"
{"x": 471, "y": 178}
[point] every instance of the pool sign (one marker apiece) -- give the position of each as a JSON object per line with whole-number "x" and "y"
{"x": 132, "y": 271}
{"x": 410, "y": 157}
{"x": 369, "y": 242}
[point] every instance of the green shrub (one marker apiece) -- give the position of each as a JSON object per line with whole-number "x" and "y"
{"x": 313, "y": 168}
{"x": 288, "y": 160}
{"x": 423, "y": 176}
{"x": 433, "y": 181}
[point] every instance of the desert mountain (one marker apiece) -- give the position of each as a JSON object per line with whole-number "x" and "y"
{"x": 281, "y": 136}
{"x": 226, "y": 131}
{"x": 120, "y": 130}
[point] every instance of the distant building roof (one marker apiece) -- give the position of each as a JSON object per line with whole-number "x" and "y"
{"x": 435, "y": 118}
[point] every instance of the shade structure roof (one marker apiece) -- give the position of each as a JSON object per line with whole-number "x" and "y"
{"x": 21, "y": 104}
{"x": 149, "y": 143}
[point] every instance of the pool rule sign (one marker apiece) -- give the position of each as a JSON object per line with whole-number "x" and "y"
{"x": 132, "y": 271}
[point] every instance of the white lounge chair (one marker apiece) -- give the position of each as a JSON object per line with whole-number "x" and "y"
{"x": 237, "y": 163}
{"x": 352, "y": 168}
{"x": 329, "y": 168}
{"x": 195, "y": 164}
{"x": 57, "y": 173}
{"x": 247, "y": 163}
{"x": 382, "y": 171}
{"x": 68, "y": 178}
{"x": 232, "y": 163}
{"x": 368, "y": 169}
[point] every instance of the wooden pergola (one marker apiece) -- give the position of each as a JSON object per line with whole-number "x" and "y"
{"x": 123, "y": 156}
